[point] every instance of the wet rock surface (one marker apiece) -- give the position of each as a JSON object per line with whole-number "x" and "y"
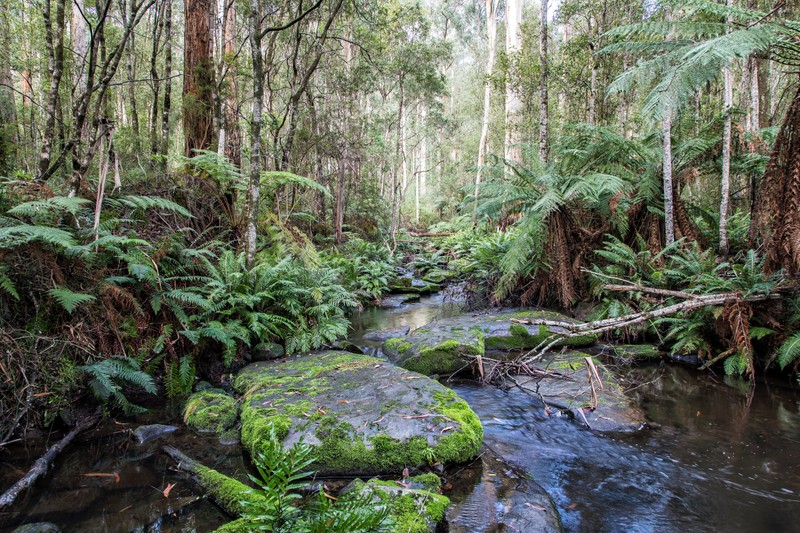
{"x": 150, "y": 432}
{"x": 500, "y": 498}
{"x": 584, "y": 388}
{"x": 381, "y": 335}
{"x": 363, "y": 415}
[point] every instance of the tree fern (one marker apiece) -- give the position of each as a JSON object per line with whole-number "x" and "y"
{"x": 789, "y": 351}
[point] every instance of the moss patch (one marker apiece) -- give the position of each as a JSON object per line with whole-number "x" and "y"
{"x": 210, "y": 411}
{"x": 226, "y": 491}
{"x": 412, "y": 511}
{"x": 366, "y": 415}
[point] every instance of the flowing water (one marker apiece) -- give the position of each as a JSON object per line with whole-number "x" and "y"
{"x": 721, "y": 457}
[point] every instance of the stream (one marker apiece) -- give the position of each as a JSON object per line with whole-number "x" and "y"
{"x": 719, "y": 456}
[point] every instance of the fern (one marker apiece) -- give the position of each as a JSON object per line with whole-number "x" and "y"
{"x": 108, "y": 377}
{"x": 6, "y": 285}
{"x": 789, "y": 351}
{"x": 144, "y": 203}
{"x": 68, "y": 299}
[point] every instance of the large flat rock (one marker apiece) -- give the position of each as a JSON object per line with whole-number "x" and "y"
{"x": 565, "y": 384}
{"x": 448, "y": 345}
{"x": 363, "y": 415}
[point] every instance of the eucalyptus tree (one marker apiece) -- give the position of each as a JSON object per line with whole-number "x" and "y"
{"x": 491, "y": 39}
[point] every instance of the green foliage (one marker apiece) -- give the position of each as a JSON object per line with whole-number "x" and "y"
{"x": 366, "y": 269}
{"x": 69, "y": 300}
{"x": 276, "y": 507}
{"x": 108, "y": 377}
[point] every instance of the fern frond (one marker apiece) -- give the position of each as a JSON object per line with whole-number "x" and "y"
{"x": 68, "y": 299}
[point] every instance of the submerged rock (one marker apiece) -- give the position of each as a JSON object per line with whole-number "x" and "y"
{"x": 412, "y": 510}
{"x": 210, "y": 411}
{"x": 361, "y": 414}
{"x": 502, "y": 499}
{"x": 38, "y": 527}
{"x": 632, "y": 352}
{"x": 152, "y": 431}
{"x": 381, "y": 335}
{"x": 567, "y": 383}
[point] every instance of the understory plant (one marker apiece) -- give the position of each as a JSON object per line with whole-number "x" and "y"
{"x": 277, "y": 507}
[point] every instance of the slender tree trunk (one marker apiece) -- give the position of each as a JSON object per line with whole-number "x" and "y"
{"x": 544, "y": 113}
{"x": 514, "y": 107}
{"x": 727, "y": 78}
{"x": 130, "y": 69}
{"x": 483, "y": 146}
{"x": 233, "y": 135}
{"x": 158, "y": 28}
{"x": 669, "y": 217}
{"x": 254, "y": 184}
{"x": 165, "y": 109}
{"x": 54, "y": 39}
{"x": 8, "y": 119}
{"x": 395, "y": 222}
{"x": 198, "y": 78}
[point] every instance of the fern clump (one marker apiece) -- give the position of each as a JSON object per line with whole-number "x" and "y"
{"x": 107, "y": 379}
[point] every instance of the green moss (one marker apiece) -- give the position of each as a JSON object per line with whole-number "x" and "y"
{"x": 521, "y": 339}
{"x": 430, "y": 481}
{"x": 398, "y": 345}
{"x": 210, "y": 411}
{"x": 464, "y": 444}
{"x": 237, "y": 526}
{"x": 412, "y": 511}
{"x": 226, "y": 491}
{"x": 259, "y": 424}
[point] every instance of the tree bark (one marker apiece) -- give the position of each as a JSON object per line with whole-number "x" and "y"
{"x": 233, "y": 135}
{"x": 514, "y": 108}
{"x": 483, "y": 146}
{"x": 725, "y": 185}
{"x": 158, "y": 29}
{"x": 198, "y": 78}
{"x": 544, "y": 113}
{"x": 254, "y": 183}
{"x": 54, "y": 41}
{"x": 165, "y": 109}
{"x": 669, "y": 218}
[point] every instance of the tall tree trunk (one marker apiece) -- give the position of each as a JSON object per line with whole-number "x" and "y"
{"x": 395, "y": 215}
{"x": 198, "y": 77}
{"x": 54, "y": 40}
{"x": 165, "y": 109}
{"x": 725, "y": 186}
{"x": 158, "y": 28}
{"x": 130, "y": 69}
{"x": 233, "y": 136}
{"x": 544, "y": 113}
{"x": 8, "y": 120}
{"x": 514, "y": 108}
{"x": 483, "y": 146}
{"x": 669, "y": 217}
{"x": 254, "y": 183}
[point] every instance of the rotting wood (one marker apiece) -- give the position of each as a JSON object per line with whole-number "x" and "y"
{"x": 42, "y": 464}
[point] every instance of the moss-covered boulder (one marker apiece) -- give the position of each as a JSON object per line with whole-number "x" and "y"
{"x": 448, "y": 345}
{"x": 413, "y": 286}
{"x": 363, "y": 415}
{"x": 581, "y": 386}
{"x": 438, "y": 276}
{"x": 411, "y": 510}
{"x": 437, "y": 348}
{"x": 211, "y": 411}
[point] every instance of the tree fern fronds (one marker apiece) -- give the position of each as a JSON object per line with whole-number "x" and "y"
{"x": 144, "y": 203}
{"x": 68, "y": 299}
{"x": 14, "y": 236}
{"x": 272, "y": 180}
{"x": 55, "y": 206}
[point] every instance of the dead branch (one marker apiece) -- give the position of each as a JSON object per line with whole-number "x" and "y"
{"x": 42, "y": 464}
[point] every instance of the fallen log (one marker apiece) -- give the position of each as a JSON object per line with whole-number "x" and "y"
{"x": 609, "y": 324}
{"x": 230, "y": 494}
{"x": 42, "y": 464}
